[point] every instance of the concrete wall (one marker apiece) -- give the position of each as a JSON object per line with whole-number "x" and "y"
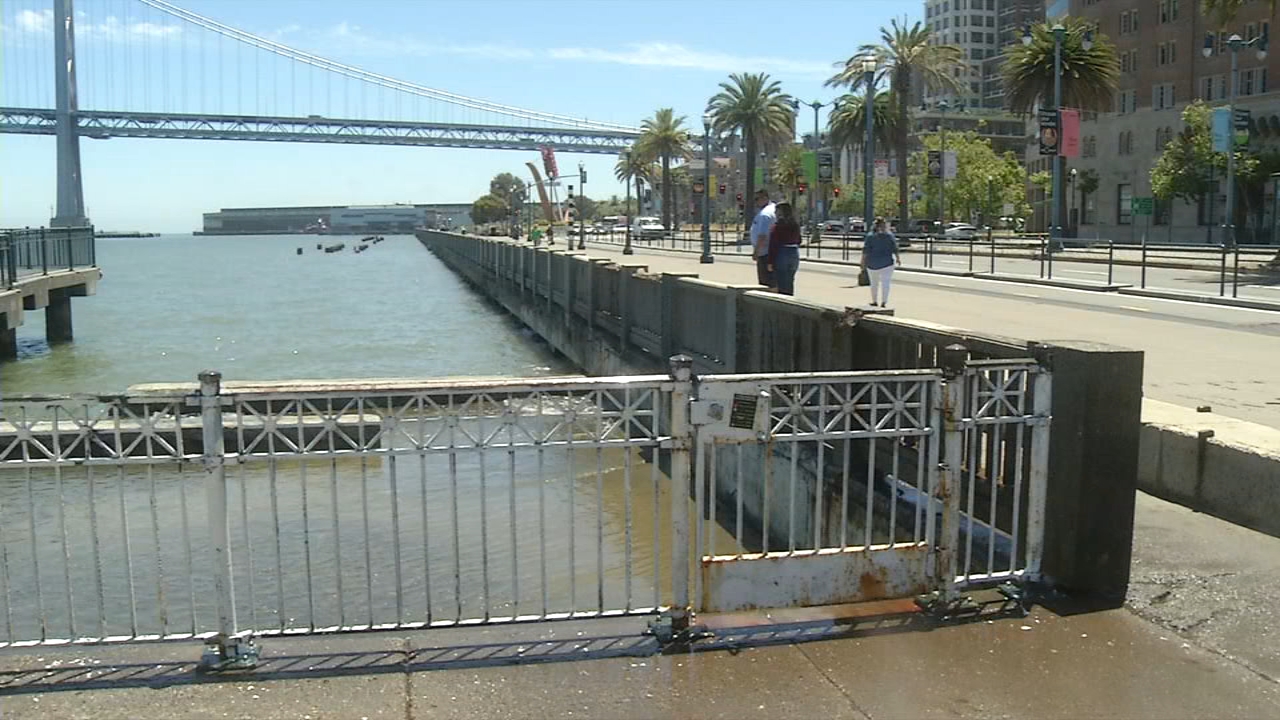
{"x": 1218, "y": 465}
{"x": 611, "y": 319}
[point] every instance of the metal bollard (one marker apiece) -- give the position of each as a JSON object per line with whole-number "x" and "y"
{"x": 1144, "y": 261}
{"x": 1111, "y": 259}
{"x": 1222, "y": 270}
{"x": 1235, "y": 273}
{"x": 991, "y": 238}
{"x": 1043, "y": 247}
{"x": 971, "y": 241}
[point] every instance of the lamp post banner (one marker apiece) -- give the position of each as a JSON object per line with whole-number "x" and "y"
{"x": 1070, "y": 133}
{"x": 1049, "y": 132}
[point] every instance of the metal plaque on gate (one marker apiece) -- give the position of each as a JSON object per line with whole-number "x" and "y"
{"x": 731, "y": 411}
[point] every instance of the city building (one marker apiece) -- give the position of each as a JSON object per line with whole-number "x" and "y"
{"x": 1012, "y": 17}
{"x": 1159, "y": 43}
{"x": 335, "y": 219}
{"x": 970, "y": 25}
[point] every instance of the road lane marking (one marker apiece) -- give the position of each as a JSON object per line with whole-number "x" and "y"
{"x": 1134, "y": 308}
{"x": 1028, "y": 295}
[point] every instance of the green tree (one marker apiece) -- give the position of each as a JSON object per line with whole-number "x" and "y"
{"x": 1089, "y": 75}
{"x": 664, "y": 137}
{"x": 1222, "y": 13}
{"x": 488, "y": 209}
{"x": 507, "y": 188}
{"x": 903, "y": 56}
{"x": 984, "y": 181}
{"x": 1188, "y": 165}
{"x": 754, "y": 105}
{"x": 852, "y": 203}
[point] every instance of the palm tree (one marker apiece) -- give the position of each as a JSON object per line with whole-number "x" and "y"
{"x": 847, "y": 122}
{"x": 1221, "y": 13}
{"x": 664, "y": 137}
{"x": 788, "y": 170}
{"x": 756, "y": 106}
{"x": 633, "y": 166}
{"x": 903, "y": 55}
{"x": 1089, "y": 75}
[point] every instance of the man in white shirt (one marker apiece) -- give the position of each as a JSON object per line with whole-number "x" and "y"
{"x": 761, "y": 226}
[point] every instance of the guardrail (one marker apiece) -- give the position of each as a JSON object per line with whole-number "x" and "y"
{"x": 31, "y": 252}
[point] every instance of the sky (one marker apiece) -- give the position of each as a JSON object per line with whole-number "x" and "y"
{"x": 606, "y": 60}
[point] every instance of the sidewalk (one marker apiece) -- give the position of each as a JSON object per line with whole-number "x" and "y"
{"x": 1209, "y": 647}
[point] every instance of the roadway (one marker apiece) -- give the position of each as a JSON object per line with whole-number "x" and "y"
{"x": 1196, "y": 354}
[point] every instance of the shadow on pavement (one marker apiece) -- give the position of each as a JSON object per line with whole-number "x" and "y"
{"x": 732, "y": 638}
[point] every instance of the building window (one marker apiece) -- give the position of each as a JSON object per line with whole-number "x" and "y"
{"x": 1162, "y": 96}
{"x": 991, "y": 38}
{"x": 1126, "y": 101}
{"x": 1129, "y": 61}
{"x": 991, "y": 21}
{"x": 1253, "y": 81}
{"x": 1124, "y": 196}
{"x": 1250, "y": 31}
{"x": 1089, "y": 146}
{"x": 1168, "y": 11}
{"x": 991, "y": 5}
{"x": 1167, "y": 53}
{"x": 1128, "y": 22}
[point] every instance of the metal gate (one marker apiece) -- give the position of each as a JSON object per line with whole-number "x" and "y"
{"x": 226, "y": 513}
{"x": 848, "y": 487}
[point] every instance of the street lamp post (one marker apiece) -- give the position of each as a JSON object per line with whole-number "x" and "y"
{"x": 869, "y": 143}
{"x": 707, "y": 258}
{"x": 942, "y": 164}
{"x": 991, "y": 201}
{"x": 626, "y": 246}
{"x": 582, "y": 216}
{"x": 1235, "y": 42}
{"x": 1071, "y": 182}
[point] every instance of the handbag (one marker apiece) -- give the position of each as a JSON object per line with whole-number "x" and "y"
{"x": 863, "y": 278}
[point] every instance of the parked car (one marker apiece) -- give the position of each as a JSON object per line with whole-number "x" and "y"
{"x": 960, "y": 231}
{"x": 834, "y": 227}
{"x": 602, "y": 228}
{"x": 648, "y": 228}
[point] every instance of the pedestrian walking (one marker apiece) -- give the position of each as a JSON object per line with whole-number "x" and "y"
{"x": 761, "y": 227}
{"x": 879, "y": 256}
{"x": 784, "y": 249}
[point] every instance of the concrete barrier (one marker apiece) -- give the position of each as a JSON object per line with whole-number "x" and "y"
{"x": 1218, "y": 465}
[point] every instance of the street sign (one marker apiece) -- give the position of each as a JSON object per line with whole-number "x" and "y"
{"x": 882, "y": 169}
{"x": 1142, "y": 206}
{"x": 949, "y": 165}
{"x": 1007, "y": 208}
{"x": 1242, "y": 118}
{"x": 935, "y": 164}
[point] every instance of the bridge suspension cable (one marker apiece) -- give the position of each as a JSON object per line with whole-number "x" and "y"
{"x": 377, "y": 79}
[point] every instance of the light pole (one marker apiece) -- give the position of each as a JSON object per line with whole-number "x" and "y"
{"x": 707, "y": 258}
{"x": 626, "y": 246}
{"x": 1235, "y": 42}
{"x": 991, "y": 200}
{"x": 1071, "y": 182}
{"x": 869, "y": 142}
{"x": 582, "y": 216}
{"x": 1059, "y": 35}
{"x": 942, "y": 164}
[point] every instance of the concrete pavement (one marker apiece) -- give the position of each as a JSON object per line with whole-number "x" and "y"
{"x": 1201, "y": 640}
{"x": 1196, "y": 354}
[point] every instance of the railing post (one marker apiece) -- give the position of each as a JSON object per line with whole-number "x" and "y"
{"x": 972, "y": 240}
{"x": 228, "y": 649}
{"x": 1235, "y": 273}
{"x": 44, "y": 253}
{"x": 1037, "y": 491}
{"x": 682, "y": 442}
{"x": 991, "y": 238}
{"x": 624, "y": 307}
{"x": 951, "y": 470}
{"x": 1111, "y": 260}
{"x": 93, "y": 247}
{"x": 71, "y": 256}
{"x": 570, "y": 289}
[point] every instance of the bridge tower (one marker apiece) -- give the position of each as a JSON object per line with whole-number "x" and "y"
{"x": 70, "y": 210}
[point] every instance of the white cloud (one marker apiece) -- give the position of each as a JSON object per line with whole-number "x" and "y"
{"x": 651, "y": 54}
{"x": 658, "y": 54}
{"x": 35, "y": 21}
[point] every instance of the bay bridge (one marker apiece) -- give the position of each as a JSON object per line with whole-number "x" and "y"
{"x": 151, "y": 69}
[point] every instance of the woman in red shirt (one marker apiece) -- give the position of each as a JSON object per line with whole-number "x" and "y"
{"x": 784, "y": 250}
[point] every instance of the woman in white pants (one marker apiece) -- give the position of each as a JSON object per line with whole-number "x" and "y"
{"x": 879, "y": 256}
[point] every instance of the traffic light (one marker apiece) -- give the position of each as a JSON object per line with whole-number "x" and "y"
{"x": 836, "y": 191}
{"x": 739, "y": 198}
{"x": 722, "y": 189}
{"x": 802, "y": 187}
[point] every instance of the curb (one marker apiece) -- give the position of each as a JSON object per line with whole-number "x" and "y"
{"x": 1049, "y": 282}
{"x": 1205, "y": 299}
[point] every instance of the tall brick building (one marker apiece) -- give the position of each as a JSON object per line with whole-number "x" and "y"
{"x": 1159, "y": 43}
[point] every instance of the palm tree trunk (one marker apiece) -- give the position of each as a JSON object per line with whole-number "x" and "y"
{"x": 900, "y": 150}
{"x": 666, "y": 191}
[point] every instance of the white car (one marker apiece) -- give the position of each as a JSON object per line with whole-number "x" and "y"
{"x": 960, "y": 231}
{"x": 648, "y": 228}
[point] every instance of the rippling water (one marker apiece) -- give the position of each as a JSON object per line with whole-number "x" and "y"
{"x": 250, "y": 307}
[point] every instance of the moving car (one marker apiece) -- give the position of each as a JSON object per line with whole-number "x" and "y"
{"x": 960, "y": 231}
{"x": 648, "y": 228}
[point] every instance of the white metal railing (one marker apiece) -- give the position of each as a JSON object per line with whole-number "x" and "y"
{"x": 226, "y": 513}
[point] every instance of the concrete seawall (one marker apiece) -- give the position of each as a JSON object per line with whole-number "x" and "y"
{"x": 1215, "y": 464}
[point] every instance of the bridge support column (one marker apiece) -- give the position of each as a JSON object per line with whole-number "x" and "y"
{"x": 57, "y": 318}
{"x": 70, "y": 209}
